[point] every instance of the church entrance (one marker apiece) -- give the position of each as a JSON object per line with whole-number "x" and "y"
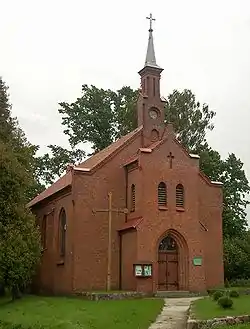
{"x": 168, "y": 264}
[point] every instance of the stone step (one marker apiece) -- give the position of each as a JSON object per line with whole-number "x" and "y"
{"x": 178, "y": 294}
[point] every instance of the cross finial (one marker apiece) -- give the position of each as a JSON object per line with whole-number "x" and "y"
{"x": 151, "y": 19}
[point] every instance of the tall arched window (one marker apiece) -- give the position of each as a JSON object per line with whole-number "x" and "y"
{"x": 132, "y": 202}
{"x": 162, "y": 195}
{"x": 62, "y": 232}
{"x": 180, "y": 196}
{"x": 44, "y": 232}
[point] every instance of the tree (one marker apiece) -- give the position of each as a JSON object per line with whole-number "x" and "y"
{"x": 236, "y": 257}
{"x": 190, "y": 120}
{"x": 99, "y": 116}
{"x": 236, "y": 187}
{"x": 19, "y": 236}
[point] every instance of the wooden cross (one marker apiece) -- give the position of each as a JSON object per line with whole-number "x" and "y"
{"x": 151, "y": 19}
{"x": 110, "y": 210}
{"x": 171, "y": 157}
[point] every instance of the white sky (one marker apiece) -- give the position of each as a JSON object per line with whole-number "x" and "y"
{"x": 50, "y": 48}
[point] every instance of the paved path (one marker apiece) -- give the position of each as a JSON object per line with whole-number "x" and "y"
{"x": 174, "y": 314}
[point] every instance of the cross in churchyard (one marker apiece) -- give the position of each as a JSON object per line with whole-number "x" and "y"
{"x": 110, "y": 210}
{"x": 151, "y": 19}
{"x": 171, "y": 157}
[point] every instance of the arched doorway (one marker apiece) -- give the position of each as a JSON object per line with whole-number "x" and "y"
{"x": 168, "y": 264}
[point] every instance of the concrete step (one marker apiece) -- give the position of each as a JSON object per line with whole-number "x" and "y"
{"x": 178, "y": 294}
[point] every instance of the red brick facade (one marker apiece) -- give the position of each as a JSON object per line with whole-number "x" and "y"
{"x": 140, "y": 158}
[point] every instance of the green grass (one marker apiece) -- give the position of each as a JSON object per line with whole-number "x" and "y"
{"x": 207, "y": 308}
{"x": 66, "y": 313}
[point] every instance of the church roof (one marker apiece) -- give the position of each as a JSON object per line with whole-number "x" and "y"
{"x": 85, "y": 166}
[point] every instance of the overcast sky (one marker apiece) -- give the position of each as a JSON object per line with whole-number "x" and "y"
{"x": 50, "y": 48}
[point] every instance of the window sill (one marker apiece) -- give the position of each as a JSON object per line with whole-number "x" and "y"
{"x": 60, "y": 262}
{"x": 181, "y": 209}
{"x": 162, "y": 208}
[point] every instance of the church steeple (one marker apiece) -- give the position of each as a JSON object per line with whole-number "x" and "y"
{"x": 150, "y": 57}
{"x": 150, "y": 107}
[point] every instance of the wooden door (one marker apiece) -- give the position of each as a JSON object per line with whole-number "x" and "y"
{"x": 167, "y": 270}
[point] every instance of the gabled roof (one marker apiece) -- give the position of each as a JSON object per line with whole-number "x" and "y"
{"x": 85, "y": 166}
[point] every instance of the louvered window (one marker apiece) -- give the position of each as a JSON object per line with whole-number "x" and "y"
{"x": 162, "y": 195}
{"x": 132, "y": 208}
{"x": 180, "y": 196}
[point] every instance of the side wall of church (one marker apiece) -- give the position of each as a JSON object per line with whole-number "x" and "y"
{"x": 210, "y": 214}
{"x": 54, "y": 275}
{"x": 91, "y": 229}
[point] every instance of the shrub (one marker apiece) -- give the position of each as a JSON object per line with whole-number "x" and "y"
{"x": 233, "y": 294}
{"x": 225, "y": 302}
{"x": 217, "y": 294}
{"x": 240, "y": 283}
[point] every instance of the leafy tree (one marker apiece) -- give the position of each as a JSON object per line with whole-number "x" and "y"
{"x": 19, "y": 237}
{"x": 236, "y": 257}
{"x": 99, "y": 116}
{"x": 236, "y": 187}
{"x": 191, "y": 120}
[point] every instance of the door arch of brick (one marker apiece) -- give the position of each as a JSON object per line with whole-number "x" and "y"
{"x": 179, "y": 256}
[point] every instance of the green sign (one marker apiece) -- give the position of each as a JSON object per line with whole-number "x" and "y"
{"x": 197, "y": 261}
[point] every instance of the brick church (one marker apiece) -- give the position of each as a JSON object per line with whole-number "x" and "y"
{"x": 138, "y": 216}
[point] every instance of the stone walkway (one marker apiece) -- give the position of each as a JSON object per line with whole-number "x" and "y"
{"x": 174, "y": 314}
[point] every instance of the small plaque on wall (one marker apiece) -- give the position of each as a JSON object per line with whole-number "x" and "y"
{"x": 197, "y": 261}
{"x": 143, "y": 270}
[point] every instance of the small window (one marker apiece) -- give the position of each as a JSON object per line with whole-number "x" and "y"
{"x": 44, "y": 232}
{"x": 154, "y": 86}
{"x": 132, "y": 208}
{"x": 162, "y": 195}
{"x": 180, "y": 196}
{"x": 62, "y": 232}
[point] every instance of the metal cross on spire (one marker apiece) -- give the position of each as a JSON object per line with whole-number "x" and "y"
{"x": 151, "y": 19}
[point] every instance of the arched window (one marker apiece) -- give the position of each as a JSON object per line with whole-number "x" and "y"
{"x": 62, "y": 232}
{"x": 168, "y": 244}
{"x": 44, "y": 232}
{"x": 132, "y": 204}
{"x": 180, "y": 196}
{"x": 162, "y": 195}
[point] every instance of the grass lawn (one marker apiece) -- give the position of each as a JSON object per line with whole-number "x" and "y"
{"x": 66, "y": 313}
{"x": 207, "y": 308}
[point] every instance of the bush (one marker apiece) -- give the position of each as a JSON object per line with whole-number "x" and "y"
{"x": 217, "y": 294}
{"x": 225, "y": 302}
{"x": 233, "y": 294}
{"x": 240, "y": 283}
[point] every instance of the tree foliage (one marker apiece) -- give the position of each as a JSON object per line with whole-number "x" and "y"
{"x": 236, "y": 257}
{"x": 191, "y": 120}
{"x": 19, "y": 236}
